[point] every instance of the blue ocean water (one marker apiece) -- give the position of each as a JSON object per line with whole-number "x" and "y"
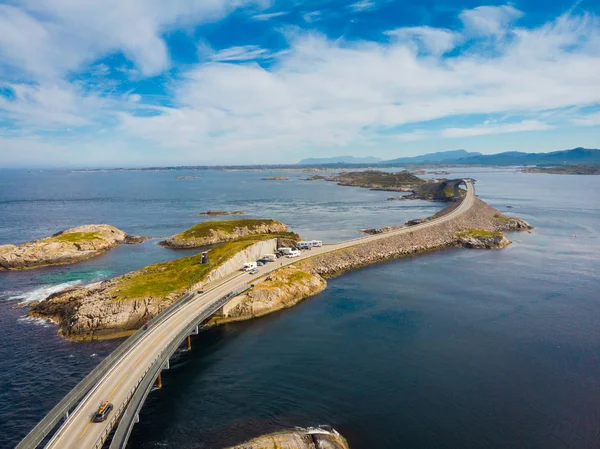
{"x": 460, "y": 348}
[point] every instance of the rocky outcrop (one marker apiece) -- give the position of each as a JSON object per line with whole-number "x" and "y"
{"x": 66, "y": 247}
{"x": 311, "y": 438}
{"x": 103, "y": 310}
{"x": 277, "y": 178}
{"x": 212, "y": 232}
{"x": 475, "y": 238}
{"x": 281, "y": 289}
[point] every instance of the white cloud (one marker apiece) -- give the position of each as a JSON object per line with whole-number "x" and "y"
{"x": 242, "y": 53}
{"x": 587, "y": 120}
{"x": 269, "y": 15}
{"x": 363, "y": 5}
{"x": 50, "y": 38}
{"x": 312, "y": 16}
{"x": 426, "y": 39}
{"x": 324, "y": 93}
{"x": 489, "y": 20}
{"x": 496, "y": 128}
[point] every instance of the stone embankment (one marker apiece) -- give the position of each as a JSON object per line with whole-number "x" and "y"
{"x": 297, "y": 439}
{"x": 66, "y": 247}
{"x": 479, "y": 217}
{"x": 211, "y": 232}
{"x": 480, "y": 227}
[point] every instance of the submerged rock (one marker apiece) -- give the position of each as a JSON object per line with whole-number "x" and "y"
{"x": 65, "y": 247}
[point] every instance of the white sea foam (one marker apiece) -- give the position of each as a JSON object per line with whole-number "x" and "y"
{"x": 44, "y": 322}
{"x": 41, "y": 293}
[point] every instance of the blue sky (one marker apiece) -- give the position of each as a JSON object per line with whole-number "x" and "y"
{"x": 147, "y": 82}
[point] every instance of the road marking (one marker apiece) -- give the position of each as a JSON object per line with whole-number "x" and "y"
{"x": 118, "y": 385}
{"x": 85, "y": 430}
{"x": 140, "y": 358}
{"x": 160, "y": 337}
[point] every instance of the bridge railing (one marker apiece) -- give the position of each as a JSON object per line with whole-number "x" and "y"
{"x": 45, "y": 426}
{"x": 145, "y": 384}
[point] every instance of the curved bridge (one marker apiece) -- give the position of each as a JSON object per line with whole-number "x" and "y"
{"x": 126, "y": 377}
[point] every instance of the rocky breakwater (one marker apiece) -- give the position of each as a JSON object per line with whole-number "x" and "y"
{"x": 283, "y": 288}
{"x": 211, "y": 232}
{"x": 65, "y": 247}
{"x": 311, "y": 438}
{"x": 460, "y": 231}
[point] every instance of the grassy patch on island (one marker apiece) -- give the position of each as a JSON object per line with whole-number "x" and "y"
{"x": 477, "y": 233}
{"x": 75, "y": 237}
{"x": 228, "y": 226}
{"x": 175, "y": 276}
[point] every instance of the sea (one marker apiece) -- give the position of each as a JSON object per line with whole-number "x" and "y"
{"x": 451, "y": 349}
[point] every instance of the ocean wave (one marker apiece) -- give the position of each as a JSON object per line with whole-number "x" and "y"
{"x": 44, "y": 322}
{"x": 41, "y": 293}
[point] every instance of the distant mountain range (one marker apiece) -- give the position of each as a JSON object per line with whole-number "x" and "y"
{"x": 576, "y": 156}
{"x": 433, "y": 158}
{"x": 340, "y": 160}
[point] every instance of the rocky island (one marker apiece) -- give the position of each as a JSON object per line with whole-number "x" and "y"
{"x": 119, "y": 306}
{"x": 277, "y": 178}
{"x": 65, "y": 247}
{"x": 211, "y": 232}
{"x": 299, "y": 438}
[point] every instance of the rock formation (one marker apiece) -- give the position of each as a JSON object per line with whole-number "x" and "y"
{"x": 214, "y": 213}
{"x": 297, "y": 439}
{"x": 212, "y": 232}
{"x": 281, "y": 289}
{"x": 277, "y": 178}
{"x": 66, "y": 247}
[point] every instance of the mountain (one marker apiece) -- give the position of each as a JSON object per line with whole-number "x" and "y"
{"x": 576, "y": 156}
{"x": 433, "y": 158}
{"x": 340, "y": 160}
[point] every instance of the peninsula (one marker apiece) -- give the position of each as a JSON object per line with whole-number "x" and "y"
{"x": 65, "y": 247}
{"x": 211, "y": 232}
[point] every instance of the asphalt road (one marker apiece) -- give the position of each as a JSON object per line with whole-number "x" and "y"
{"x": 79, "y": 432}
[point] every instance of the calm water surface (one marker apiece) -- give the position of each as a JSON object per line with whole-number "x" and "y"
{"x": 460, "y": 348}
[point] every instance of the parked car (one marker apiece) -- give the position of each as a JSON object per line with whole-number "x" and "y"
{"x": 103, "y": 412}
{"x": 260, "y": 263}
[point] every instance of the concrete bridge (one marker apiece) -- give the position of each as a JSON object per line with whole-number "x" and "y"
{"x": 456, "y": 183}
{"x": 126, "y": 376}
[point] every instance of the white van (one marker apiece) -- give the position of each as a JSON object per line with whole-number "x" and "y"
{"x": 269, "y": 258}
{"x": 285, "y": 251}
{"x": 316, "y": 243}
{"x": 293, "y": 253}
{"x": 304, "y": 245}
{"x": 249, "y": 266}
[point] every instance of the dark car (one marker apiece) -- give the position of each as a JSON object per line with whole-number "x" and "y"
{"x": 103, "y": 412}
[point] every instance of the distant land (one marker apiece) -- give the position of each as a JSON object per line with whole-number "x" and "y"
{"x": 341, "y": 160}
{"x": 576, "y": 156}
{"x": 433, "y": 158}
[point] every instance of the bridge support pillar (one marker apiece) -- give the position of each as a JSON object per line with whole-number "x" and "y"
{"x": 159, "y": 381}
{"x": 189, "y": 343}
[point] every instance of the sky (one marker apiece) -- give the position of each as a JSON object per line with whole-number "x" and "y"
{"x": 130, "y": 83}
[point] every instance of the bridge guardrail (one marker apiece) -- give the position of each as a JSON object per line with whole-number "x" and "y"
{"x": 45, "y": 426}
{"x": 136, "y": 402}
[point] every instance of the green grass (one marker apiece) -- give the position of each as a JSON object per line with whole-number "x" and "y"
{"x": 204, "y": 229}
{"x": 477, "y": 233}
{"x": 174, "y": 276}
{"x": 379, "y": 178}
{"x": 75, "y": 237}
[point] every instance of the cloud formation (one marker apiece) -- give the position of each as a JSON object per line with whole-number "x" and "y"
{"x": 488, "y": 76}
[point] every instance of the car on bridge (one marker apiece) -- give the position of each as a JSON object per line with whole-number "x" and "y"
{"x": 103, "y": 412}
